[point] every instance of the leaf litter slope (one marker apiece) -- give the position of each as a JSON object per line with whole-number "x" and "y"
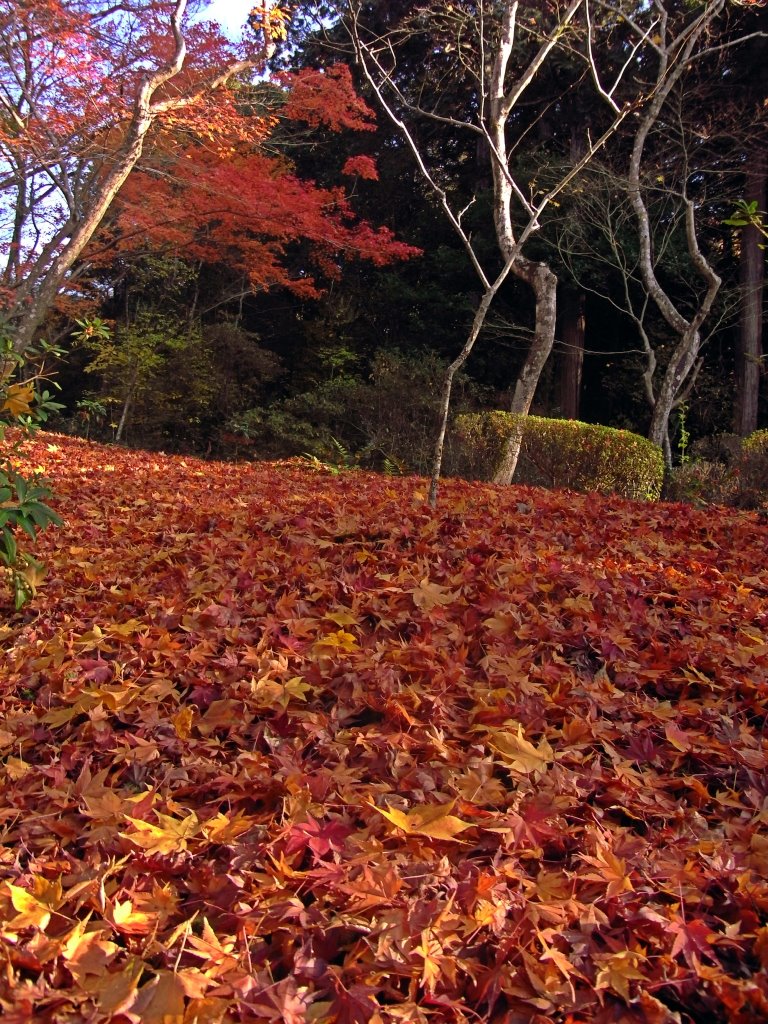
{"x": 286, "y": 746}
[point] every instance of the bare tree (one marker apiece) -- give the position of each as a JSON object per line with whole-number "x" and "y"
{"x": 503, "y": 48}
{"x": 675, "y": 48}
{"x": 634, "y": 55}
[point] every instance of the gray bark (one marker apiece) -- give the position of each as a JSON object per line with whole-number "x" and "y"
{"x": 674, "y": 56}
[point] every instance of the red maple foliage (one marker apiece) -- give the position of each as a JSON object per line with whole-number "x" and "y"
{"x": 215, "y": 193}
{"x": 286, "y": 746}
{"x": 133, "y": 127}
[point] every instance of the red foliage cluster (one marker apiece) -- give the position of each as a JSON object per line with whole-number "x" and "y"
{"x": 284, "y": 746}
{"x": 223, "y": 199}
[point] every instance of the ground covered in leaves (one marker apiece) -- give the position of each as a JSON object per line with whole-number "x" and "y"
{"x": 286, "y": 746}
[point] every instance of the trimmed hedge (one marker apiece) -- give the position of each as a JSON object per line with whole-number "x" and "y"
{"x": 561, "y": 454}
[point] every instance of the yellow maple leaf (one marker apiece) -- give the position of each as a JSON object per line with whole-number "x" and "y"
{"x": 520, "y": 754}
{"x": 170, "y": 835}
{"x": 223, "y": 829}
{"x": 182, "y": 722}
{"x": 16, "y": 768}
{"x": 36, "y": 904}
{"x": 87, "y": 952}
{"x": 18, "y": 399}
{"x": 432, "y": 953}
{"x": 343, "y": 617}
{"x": 432, "y": 820}
{"x": 130, "y": 921}
{"x": 219, "y": 954}
{"x": 341, "y": 640}
{"x": 617, "y": 970}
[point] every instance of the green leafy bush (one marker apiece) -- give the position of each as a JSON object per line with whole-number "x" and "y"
{"x": 23, "y": 508}
{"x": 753, "y": 470}
{"x": 384, "y": 412}
{"x": 562, "y": 454}
{"x": 756, "y": 444}
{"x": 703, "y": 482}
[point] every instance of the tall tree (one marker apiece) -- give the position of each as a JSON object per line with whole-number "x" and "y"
{"x": 82, "y": 84}
{"x": 748, "y": 73}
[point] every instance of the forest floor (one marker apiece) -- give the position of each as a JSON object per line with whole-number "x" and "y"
{"x": 282, "y": 745}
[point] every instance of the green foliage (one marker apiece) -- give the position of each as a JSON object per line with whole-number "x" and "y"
{"x": 563, "y": 454}
{"x": 683, "y": 435}
{"x": 746, "y": 214}
{"x": 173, "y": 384}
{"x": 724, "y": 470}
{"x": 753, "y": 470}
{"x": 90, "y": 412}
{"x": 756, "y": 444}
{"x": 341, "y": 460}
{"x": 23, "y": 498}
{"x": 384, "y": 419}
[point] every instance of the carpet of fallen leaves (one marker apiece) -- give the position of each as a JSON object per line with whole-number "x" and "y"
{"x": 286, "y": 746}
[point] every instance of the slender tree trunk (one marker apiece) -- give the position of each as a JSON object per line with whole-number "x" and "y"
{"x": 750, "y": 343}
{"x": 445, "y": 403}
{"x": 680, "y": 366}
{"x": 572, "y": 331}
{"x": 124, "y": 415}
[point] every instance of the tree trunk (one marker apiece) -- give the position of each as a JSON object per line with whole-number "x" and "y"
{"x": 544, "y": 284}
{"x": 680, "y": 366}
{"x": 478, "y": 321}
{"x": 752, "y": 272}
{"x": 128, "y": 401}
{"x": 572, "y": 363}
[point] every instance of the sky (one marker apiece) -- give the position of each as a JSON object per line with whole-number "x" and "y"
{"x": 231, "y": 14}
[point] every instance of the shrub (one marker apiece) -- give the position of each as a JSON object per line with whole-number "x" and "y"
{"x": 753, "y": 470}
{"x": 725, "y": 470}
{"x": 385, "y": 414}
{"x": 722, "y": 448}
{"x": 563, "y": 454}
{"x": 703, "y": 481}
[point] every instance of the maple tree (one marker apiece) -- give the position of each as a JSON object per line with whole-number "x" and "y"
{"x": 82, "y": 85}
{"x": 234, "y": 201}
{"x": 288, "y": 746}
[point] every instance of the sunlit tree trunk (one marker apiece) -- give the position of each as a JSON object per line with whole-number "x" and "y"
{"x": 544, "y": 284}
